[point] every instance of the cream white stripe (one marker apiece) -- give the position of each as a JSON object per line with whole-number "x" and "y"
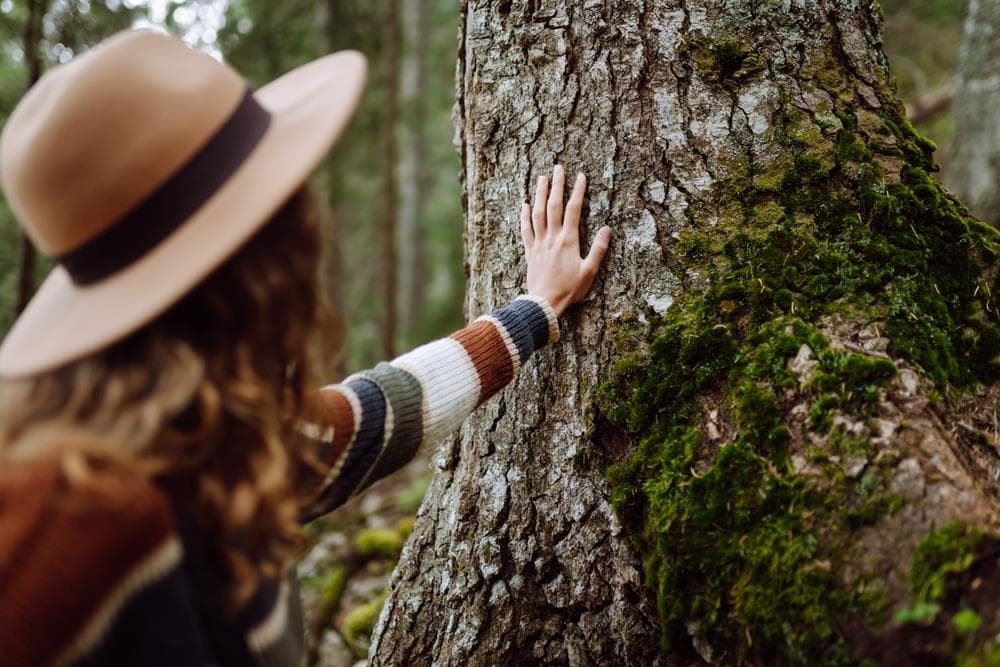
{"x": 271, "y": 628}
{"x": 450, "y": 385}
{"x": 164, "y": 558}
{"x": 314, "y": 431}
{"x": 515, "y": 356}
{"x": 550, "y": 314}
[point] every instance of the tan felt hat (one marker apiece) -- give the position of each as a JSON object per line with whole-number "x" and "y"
{"x": 140, "y": 167}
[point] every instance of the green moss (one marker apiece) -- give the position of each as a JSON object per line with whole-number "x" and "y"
{"x": 359, "y": 622}
{"x": 333, "y": 584}
{"x": 733, "y": 540}
{"x": 768, "y": 212}
{"x": 379, "y": 542}
{"x": 966, "y": 621}
{"x": 723, "y": 57}
{"x": 942, "y": 553}
{"x": 988, "y": 656}
{"x": 405, "y": 526}
{"x": 770, "y": 178}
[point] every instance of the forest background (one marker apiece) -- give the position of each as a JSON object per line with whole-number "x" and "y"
{"x": 393, "y": 227}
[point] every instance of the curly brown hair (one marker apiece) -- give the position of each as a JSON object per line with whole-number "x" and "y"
{"x": 202, "y": 400}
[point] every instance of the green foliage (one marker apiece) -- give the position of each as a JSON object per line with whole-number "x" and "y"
{"x": 966, "y": 621}
{"x": 922, "y": 613}
{"x": 942, "y": 553}
{"x": 988, "y": 656}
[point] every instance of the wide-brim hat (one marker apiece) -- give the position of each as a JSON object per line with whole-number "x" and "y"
{"x": 140, "y": 167}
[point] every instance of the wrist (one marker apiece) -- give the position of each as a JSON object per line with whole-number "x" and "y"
{"x": 558, "y": 304}
{"x": 551, "y": 314}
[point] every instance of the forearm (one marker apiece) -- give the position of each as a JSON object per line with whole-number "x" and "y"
{"x": 375, "y": 421}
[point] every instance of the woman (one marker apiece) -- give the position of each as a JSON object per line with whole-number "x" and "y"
{"x": 160, "y": 437}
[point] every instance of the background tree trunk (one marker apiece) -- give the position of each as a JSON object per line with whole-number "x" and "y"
{"x": 33, "y": 60}
{"x": 790, "y": 358}
{"x": 414, "y": 184}
{"x": 974, "y": 171}
{"x": 390, "y": 185}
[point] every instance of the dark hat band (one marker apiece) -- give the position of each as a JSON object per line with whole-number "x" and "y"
{"x": 153, "y": 219}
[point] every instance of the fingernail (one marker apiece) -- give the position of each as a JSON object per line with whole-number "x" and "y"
{"x": 580, "y": 176}
{"x": 558, "y": 169}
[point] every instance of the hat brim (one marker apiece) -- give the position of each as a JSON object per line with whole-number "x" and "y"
{"x": 310, "y": 107}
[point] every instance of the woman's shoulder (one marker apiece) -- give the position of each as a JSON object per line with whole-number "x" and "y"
{"x": 75, "y": 545}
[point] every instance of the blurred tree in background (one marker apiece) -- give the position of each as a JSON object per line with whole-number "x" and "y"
{"x": 394, "y": 226}
{"x": 392, "y": 182}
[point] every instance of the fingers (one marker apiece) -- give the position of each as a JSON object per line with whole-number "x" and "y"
{"x": 571, "y": 225}
{"x": 538, "y": 212}
{"x": 592, "y": 262}
{"x": 527, "y": 234}
{"x": 555, "y": 206}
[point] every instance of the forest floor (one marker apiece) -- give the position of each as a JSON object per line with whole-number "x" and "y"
{"x": 345, "y": 572}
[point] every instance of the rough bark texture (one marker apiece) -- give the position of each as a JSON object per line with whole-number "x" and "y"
{"x": 974, "y": 171}
{"x": 792, "y": 323}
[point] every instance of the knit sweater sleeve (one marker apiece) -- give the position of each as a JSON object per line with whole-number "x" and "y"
{"x": 375, "y": 421}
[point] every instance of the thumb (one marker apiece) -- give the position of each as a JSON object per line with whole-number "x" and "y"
{"x": 598, "y": 248}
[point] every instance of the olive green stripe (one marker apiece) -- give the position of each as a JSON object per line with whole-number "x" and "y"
{"x": 404, "y": 393}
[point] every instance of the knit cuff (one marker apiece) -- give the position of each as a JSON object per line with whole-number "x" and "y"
{"x": 551, "y": 319}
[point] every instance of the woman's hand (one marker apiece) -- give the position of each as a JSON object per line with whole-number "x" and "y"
{"x": 552, "y": 243}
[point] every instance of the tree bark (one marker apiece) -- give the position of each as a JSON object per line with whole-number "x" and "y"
{"x": 415, "y": 184}
{"x": 974, "y": 169}
{"x": 390, "y": 184}
{"x": 33, "y": 60}
{"x": 791, "y": 325}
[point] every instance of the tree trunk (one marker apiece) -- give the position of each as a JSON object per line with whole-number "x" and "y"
{"x": 33, "y": 60}
{"x": 785, "y": 380}
{"x": 414, "y": 184}
{"x": 974, "y": 169}
{"x": 390, "y": 186}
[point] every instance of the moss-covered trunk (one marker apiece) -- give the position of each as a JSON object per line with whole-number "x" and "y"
{"x": 786, "y": 382}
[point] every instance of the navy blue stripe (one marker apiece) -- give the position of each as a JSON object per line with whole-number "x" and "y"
{"x": 364, "y": 450}
{"x": 536, "y": 318}
{"x": 515, "y": 324}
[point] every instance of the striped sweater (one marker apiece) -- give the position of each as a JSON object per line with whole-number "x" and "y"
{"x": 112, "y": 576}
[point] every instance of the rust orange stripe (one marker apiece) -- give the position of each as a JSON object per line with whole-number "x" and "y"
{"x": 489, "y": 355}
